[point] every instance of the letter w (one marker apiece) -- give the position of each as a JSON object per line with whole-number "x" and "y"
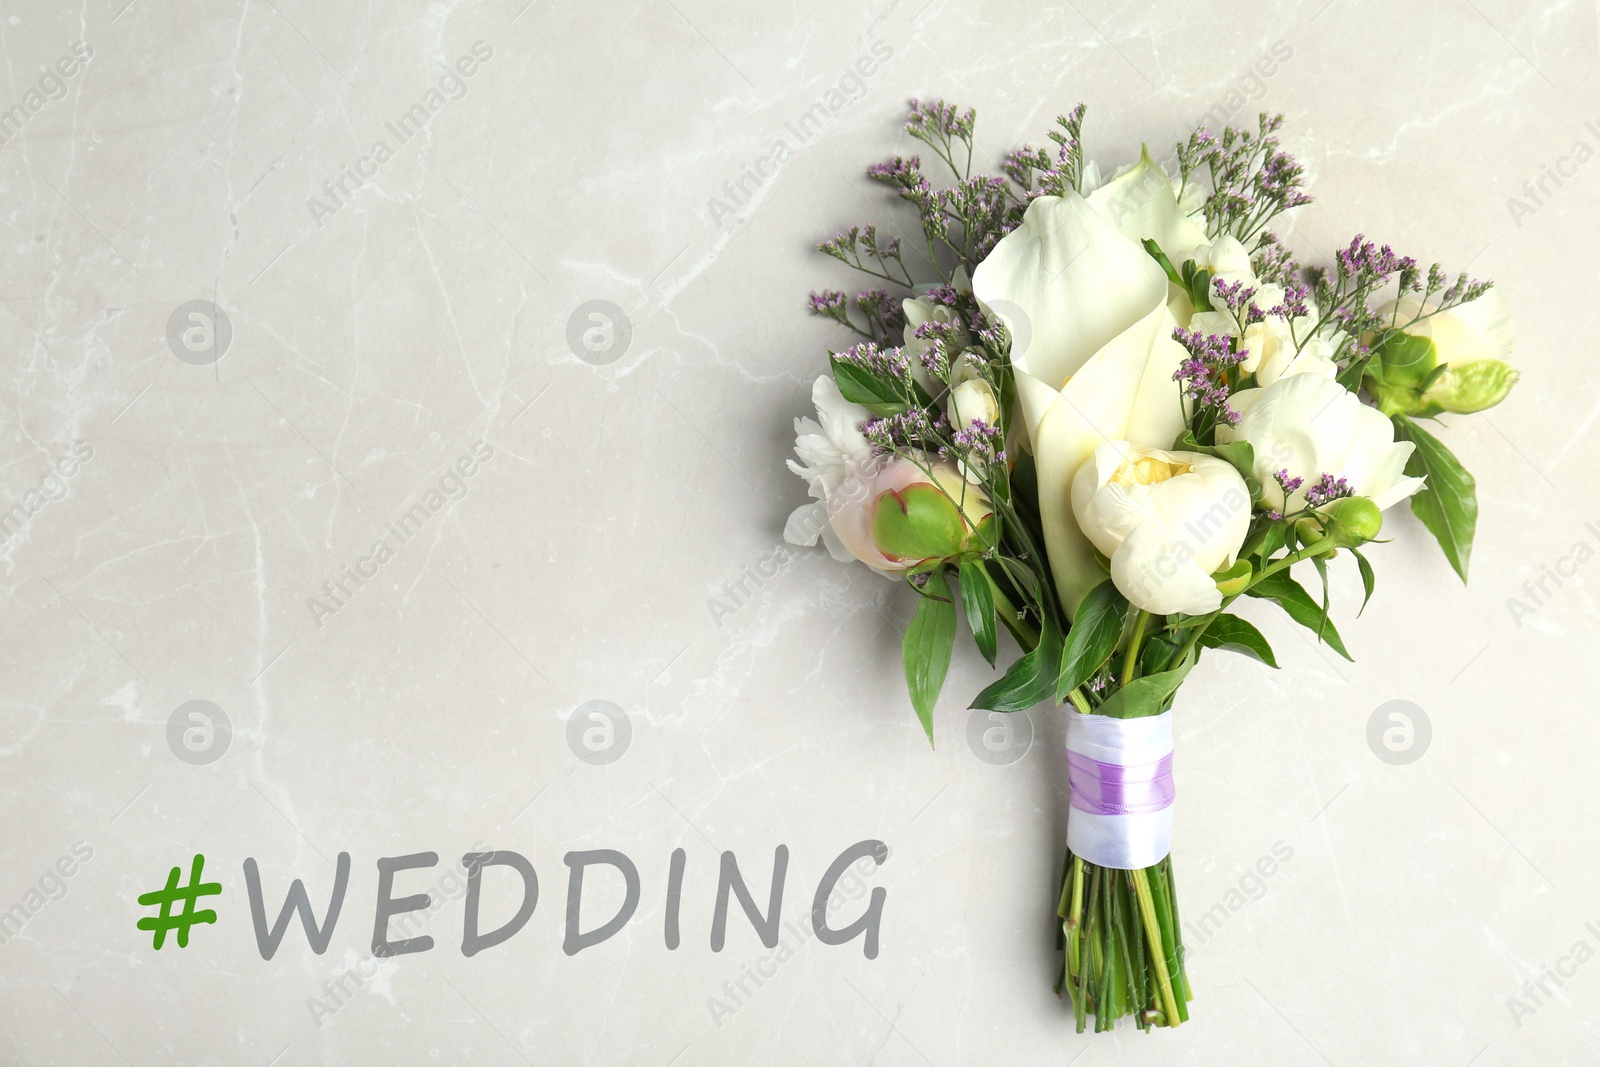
{"x": 297, "y": 901}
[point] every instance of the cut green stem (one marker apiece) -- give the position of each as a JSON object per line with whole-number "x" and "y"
{"x": 1132, "y": 662}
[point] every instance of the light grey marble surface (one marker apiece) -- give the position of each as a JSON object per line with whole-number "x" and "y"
{"x": 379, "y": 332}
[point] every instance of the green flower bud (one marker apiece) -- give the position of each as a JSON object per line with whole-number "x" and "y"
{"x": 915, "y": 523}
{"x": 1405, "y": 359}
{"x": 1399, "y": 371}
{"x": 922, "y": 522}
{"x": 1464, "y": 389}
{"x": 1345, "y": 523}
{"x": 1352, "y": 521}
{"x": 1455, "y": 360}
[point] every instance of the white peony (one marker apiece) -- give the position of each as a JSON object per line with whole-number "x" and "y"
{"x": 1166, "y": 520}
{"x": 1310, "y": 426}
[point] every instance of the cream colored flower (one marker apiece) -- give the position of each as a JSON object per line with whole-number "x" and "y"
{"x": 1310, "y": 426}
{"x": 1093, "y": 353}
{"x": 1167, "y": 521}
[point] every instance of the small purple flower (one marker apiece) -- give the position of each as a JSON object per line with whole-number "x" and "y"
{"x": 1295, "y": 303}
{"x": 889, "y": 362}
{"x": 1234, "y": 294}
{"x": 909, "y": 429}
{"x": 1327, "y": 490}
{"x": 827, "y": 302}
{"x": 1204, "y": 372}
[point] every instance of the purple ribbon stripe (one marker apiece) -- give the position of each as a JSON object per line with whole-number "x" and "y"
{"x": 1111, "y": 789}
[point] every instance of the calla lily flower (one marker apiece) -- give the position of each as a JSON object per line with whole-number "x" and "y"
{"x": 1093, "y": 353}
{"x": 1140, "y": 203}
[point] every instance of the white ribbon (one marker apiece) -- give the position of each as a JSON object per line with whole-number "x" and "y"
{"x": 1120, "y": 773}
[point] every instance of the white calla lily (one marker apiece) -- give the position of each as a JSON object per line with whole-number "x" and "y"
{"x": 1093, "y": 353}
{"x": 1167, "y": 521}
{"x": 1141, "y": 204}
{"x": 1310, "y": 426}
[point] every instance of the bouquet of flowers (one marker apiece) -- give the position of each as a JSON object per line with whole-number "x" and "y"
{"x": 1095, "y": 413}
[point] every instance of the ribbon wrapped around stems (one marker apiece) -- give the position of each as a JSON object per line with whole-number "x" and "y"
{"x": 1119, "y": 773}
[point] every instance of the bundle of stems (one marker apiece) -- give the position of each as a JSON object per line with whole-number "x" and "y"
{"x": 1123, "y": 948}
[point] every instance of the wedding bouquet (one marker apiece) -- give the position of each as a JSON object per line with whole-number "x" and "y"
{"x": 1095, "y": 413}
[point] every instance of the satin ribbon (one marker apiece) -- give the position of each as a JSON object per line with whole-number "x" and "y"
{"x": 1120, "y": 779}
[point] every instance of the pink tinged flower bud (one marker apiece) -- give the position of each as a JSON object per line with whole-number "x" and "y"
{"x": 897, "y": 517}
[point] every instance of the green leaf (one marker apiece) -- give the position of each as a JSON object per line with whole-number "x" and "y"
{"x": 1159, "y": 650}
{"x": 1368, "y": 579}
{"x": 977, "y": 597}
{"x": 1322, "y": 572}
{"x": 1020, "y": 576}
{"x": 1301, "y": 608}
{"x": 879, "y": 394}
{"x": 1241, "y": 454}
{"x": 1030, "y": 679}
{"x": 1237, "y": 635}
{"x": 926, "y": 652}
{"x": 1448, "y": 505}
{"x": 1275, "y": 537}
{"x": 1351, "y": 376}
{"x": 1146, "y": 696}
{"x": 1092, "y": 637}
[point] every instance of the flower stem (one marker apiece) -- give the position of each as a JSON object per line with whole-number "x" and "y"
{"x": 1132, "y": 662}
{"x": 1158, "y": 957}
{"x": 1198, "y": 630}
{"x": 1026, "y": 635}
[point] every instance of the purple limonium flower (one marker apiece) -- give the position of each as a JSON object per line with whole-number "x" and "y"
{"x": 1204, "y": 372}
{"x": 1327, "y": 490}
{"x": 909, "y": 429}
{"x": 827, "y": 302}
{"x": 868, "y": 355}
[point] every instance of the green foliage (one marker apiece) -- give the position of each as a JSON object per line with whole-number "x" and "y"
{"x": 977, "y": 598}
{"x": 1301, "y": 608}
{"x": 1149, "y": 695}
{"x": 1237, "y": 635}
{"x": 1030, "y": 679}
{"x": 926, "y": 649}
{"x": 1448, "y": 505}
{"x": 1092, "y": 638}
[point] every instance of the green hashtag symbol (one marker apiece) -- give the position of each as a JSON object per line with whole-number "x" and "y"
{"x": 173, "y": 893}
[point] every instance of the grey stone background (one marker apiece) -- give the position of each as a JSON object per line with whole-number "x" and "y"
{"x": 374, "y": 338}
